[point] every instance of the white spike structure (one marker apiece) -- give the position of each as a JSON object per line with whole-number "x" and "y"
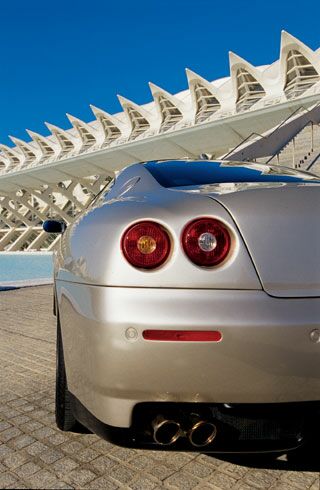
{"x": 205, "y": 98}
{"x": 110, "y": 126}
{"x": 13, "y": 156}
{"x": 59, "y": 174}
{"x": 4, "y": 162}
{"x": 170, "y": 109}
{"x": 88, "y": 135}
{"x": 67, "y": 142}
{"x": 48, "y": 149}
{"x": 138, "y": 117}
{"x": 29, "y": 153}
{"x": 247, "y": 83}
{"x": 300, "y": 66}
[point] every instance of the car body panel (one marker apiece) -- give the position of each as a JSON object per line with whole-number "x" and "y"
{"x": 90, "y": 250}
{"x": 287, "y": 253}
{"x": 265, "y": 356}
{"x": 264, "y": 299}
{"x": 280, "y": 224}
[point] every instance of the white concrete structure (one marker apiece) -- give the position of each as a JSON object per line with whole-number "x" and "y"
{"x": 59, "y": 174}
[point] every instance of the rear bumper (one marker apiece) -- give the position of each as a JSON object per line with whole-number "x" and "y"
{"x": 266, "y": 355}
{"x": 239, "y": 428}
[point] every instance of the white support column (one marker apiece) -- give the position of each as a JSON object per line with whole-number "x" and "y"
{"x": 22, "y": 212}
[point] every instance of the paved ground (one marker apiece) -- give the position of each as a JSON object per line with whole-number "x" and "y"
{"x": 35, "y": 454}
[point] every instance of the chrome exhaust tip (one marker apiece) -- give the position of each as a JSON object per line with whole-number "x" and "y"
{"x": 202, "y": 433}
{"x": 165, "y": 431}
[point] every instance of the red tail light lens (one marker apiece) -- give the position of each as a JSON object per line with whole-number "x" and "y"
{"x": 146, "y": 245}
{"x": 183, "y": 335}
{"x": 206, "y": 241}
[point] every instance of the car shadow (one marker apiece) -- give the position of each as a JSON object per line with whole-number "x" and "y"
{"x": 302, "y": 459}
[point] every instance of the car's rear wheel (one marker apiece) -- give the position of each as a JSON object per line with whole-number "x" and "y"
{"x": 64, "y": 417}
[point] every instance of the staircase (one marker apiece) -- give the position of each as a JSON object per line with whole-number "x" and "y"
{"x": 294, "y": 143}
{"x": 302, "y": 151}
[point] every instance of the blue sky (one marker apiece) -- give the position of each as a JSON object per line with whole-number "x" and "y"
{"x": 61, "y": 56}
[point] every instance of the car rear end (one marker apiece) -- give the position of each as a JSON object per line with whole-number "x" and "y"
{"x": 193, "y": 346}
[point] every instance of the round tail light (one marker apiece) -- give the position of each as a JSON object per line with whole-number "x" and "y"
{"x": 146, "y": 245}
{"x": 206, "y": 241}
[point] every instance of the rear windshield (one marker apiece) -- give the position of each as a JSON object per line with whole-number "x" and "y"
{"x": 192, "y": 173}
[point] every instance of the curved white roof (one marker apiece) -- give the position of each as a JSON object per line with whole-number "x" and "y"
{"x": 295, "y": 75}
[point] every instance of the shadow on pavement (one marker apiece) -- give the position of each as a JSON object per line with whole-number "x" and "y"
{"x": 302, "y": 459}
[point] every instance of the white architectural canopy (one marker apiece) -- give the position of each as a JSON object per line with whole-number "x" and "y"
{"x": 296, "y": 75}
{"x": 59, "y": 174}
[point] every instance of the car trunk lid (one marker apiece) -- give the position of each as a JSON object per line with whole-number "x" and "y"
{"x": 280, "y": 224}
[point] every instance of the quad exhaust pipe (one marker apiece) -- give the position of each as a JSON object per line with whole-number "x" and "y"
{"x": 168, "y": 431}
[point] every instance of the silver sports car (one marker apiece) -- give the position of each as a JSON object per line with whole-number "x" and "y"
{"x": 188, "y": 308}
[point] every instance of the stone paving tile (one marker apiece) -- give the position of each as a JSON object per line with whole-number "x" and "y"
{"x": 20, "y": 419}
{"x": 36, "y": 448}
{"x": 31, "y": 426}
{"x": 86, "y": 455}
{"x": 121, "y": 474}
{"x": 8, "y": 479}
{"x": 72, "y": 447}
{"x": 299, "y": 480}
{"x": 8, "y": 412}
{"x": 35, "y": 454}
{"x": 161, "y": 471}
{"x": 64, "y": 466}
{"x": 22, "y": 441}
{"x": 104, "y": 483}
{"x": 27, "y": 469}
{"x": 123, "y": 454}
{"x": 42, "y": 479}
{"x": 59, "y": 484}
{"x": 43, "y": 433}
{"x": 221, "y": 480}
{"x": 144, "y": 482}
{"x": 209, "y": 460}
{"x": 4, "y": 451}
{"x": 204, "y": 486}
{"x": 142, "y": 462}
{"x": 282, "y": 486}
{"x": 197, "y": 469}
{"x": 233, "y": 470}
{"x": 181, "y": 480}
{"x": 58, "y": 439}
{"x": 80, "y": 477}
{"x": 102, "y": 447}
{"x": 9, "y": 434}
{"x": 241, "y": 485}
{"x": 260, "y": 478}
{"x": 315, "y": 485}
{"x": 15, "y": 459}
{"x": 51, "y": 456}
{"x": 4, "y": 426}
{"x": 102, "y": 464}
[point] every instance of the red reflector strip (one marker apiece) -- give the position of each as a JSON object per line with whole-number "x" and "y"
{"x": 183, "y": 335}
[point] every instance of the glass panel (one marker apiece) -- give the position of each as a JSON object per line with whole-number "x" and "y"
{"x": 194, "y": 173}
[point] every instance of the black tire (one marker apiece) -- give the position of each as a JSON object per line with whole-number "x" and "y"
{"x": 64, "y": 417}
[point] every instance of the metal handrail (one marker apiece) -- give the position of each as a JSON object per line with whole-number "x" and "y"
{"x": 313, "y": 162}
{"x": 272, "y": 132}
{"x": 289, "y": 141}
